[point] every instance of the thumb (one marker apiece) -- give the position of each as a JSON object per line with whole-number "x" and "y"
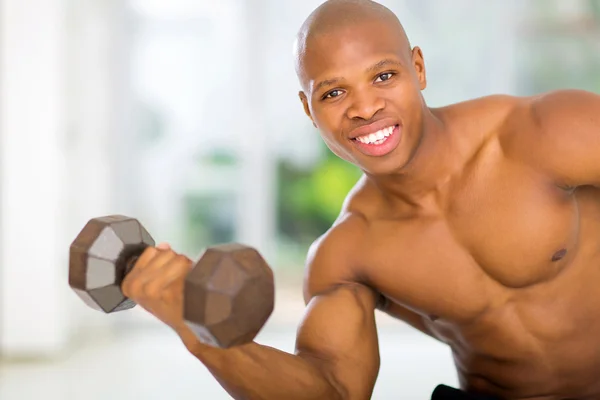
{"x": 164, "y": 246}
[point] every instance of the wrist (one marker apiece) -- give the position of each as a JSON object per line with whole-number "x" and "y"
{"x": 191, "y": 341}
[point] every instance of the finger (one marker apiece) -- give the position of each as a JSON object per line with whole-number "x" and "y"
{"x": 162, "y": 279}
{"x": 150, "y": 260}
{"x": 160, "y": 261}
{"x": 148, "y": 254}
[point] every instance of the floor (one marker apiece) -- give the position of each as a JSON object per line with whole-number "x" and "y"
{"x": 149, "y": 363}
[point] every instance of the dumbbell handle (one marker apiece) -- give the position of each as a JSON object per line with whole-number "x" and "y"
{"x": 129, "y": 264}
{"x": 129, "y": 261}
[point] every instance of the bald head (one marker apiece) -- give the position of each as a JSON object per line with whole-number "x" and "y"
{"x": 358, "y": 71}
{"x": 338, "y": 15}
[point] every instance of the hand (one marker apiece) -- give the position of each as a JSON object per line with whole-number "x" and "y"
{"x": 156, "y": 284}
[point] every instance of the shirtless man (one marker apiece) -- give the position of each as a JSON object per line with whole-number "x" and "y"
{"x": 477, "y": 223}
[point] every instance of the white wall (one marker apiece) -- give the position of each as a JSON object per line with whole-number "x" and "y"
{"x": 97, "y": 99}
{"x": 200, "y": 65}
{"x": 57, "y": 153}
{"x": 32, "y": 127}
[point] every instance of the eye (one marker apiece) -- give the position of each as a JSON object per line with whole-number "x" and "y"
{"x": 333, "y": 94}
{"x": 385, "y": 77}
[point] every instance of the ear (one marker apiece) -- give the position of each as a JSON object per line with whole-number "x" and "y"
{"x": 304, "y": 101}
{"x": 419, "y": 65}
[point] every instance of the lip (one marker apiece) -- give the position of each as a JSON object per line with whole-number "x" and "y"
{"x": 383, "y": 149}
{"x": 373, "y": 127}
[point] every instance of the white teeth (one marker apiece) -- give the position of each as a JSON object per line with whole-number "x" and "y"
{"x": 377, "y": 137}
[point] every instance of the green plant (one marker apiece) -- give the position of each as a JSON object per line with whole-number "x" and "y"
{"x": 309, "y": 201}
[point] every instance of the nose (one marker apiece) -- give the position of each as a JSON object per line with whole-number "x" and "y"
{"x": 365, "y": 105}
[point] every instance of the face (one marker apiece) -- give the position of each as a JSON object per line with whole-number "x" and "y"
{"x": 362, "y": 90}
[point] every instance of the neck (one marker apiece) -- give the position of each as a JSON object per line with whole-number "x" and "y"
{"x": 423, "y": 181}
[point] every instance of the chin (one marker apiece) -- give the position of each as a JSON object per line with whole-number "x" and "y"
{"x": 391, "y": 164}
{"x": 383, "y": 168}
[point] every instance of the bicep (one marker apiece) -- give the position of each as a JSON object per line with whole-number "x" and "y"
{"x": 339, "y": 336}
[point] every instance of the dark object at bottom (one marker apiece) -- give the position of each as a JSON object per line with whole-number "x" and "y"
{"x": 443, "y": 392}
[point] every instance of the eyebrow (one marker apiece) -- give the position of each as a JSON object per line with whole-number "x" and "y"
{"x": 384, "y": 63}
{"x": 327, "y": 82}
{"x": 372, "y": 68}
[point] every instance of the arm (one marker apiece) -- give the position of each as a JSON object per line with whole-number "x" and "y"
{"x": 336, "y": 354}
{"x": 565, "y": 138}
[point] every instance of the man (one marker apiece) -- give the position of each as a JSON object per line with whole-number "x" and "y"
{"x": 477, "y": 223}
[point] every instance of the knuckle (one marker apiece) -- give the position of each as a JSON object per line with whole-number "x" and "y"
{"x": 183, "y": 260}
{"x": 152, "y": 289}
{"x": 165, "y": 257}
{"x": 131, "y": 287}
{"x": 166, "y": 251}
{"x": 149, "y": 252}
{"x": 180, "y": 258}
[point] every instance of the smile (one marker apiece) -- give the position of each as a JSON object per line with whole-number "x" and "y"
{"x": 379, "y": 143}
{"x": 378, "y": 137}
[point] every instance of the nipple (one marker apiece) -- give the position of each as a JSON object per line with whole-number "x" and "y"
{"x": 559, "y": 255}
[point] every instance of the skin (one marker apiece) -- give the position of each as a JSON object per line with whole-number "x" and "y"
{"x": 480, "y": 229}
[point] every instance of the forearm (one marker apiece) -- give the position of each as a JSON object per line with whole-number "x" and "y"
{"x": 257, "y": 372}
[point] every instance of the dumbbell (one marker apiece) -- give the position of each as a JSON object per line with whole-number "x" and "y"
{"x": 229, "y": 294}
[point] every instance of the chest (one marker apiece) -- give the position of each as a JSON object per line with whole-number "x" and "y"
{"x": 506, "y": 228}
{"x": 516, "y": 225}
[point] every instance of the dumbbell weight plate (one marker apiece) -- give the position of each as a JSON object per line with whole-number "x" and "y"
{"x": 99, "y": 259}
{"x": 233, "y": 295}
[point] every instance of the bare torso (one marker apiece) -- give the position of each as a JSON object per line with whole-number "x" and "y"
{"x": 507, "y": 272}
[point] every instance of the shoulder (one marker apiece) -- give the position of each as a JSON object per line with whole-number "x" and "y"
{"x": 493, "y": 109}
{"x": 561, "y": 106}
{"x": 549, "y": 129}
{"x": 481, "y": 120}
{"x": 551, "y": 113}
{"x": 331, "y": 261}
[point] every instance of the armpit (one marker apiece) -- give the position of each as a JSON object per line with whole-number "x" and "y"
{"x": 397, "y": 311}
{"x": 382, "y": 303}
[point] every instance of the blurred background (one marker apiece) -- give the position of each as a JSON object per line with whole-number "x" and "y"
{"x": 185, "y": 115}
